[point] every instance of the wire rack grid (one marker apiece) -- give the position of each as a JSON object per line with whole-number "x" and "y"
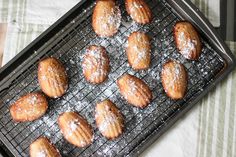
{"x": 82, "y": 96}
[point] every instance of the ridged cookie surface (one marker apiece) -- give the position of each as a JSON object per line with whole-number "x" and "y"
{"x": 187, "y": 40}
{"x": 52, "y": 77}
{"x": 108, "y": 119}
{"x": 42, "y": 147}
{"x": 95, "y": 64}
{"x": 106, "y": 18}
{"x": 75, "y": 129}
{"x": 139, "y": 51}
{"x": 139, "y": 11}
{"x": 29, "y": 107}
{"x": 134, "y": 90}
{"x": 174, "y": 79}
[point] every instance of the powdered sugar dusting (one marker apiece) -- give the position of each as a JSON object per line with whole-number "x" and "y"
{"x": 132, "y": 87}
{"x": 52, "y": 74}
{"x": 109, "y": 118}
{"x": 138, "y": 49}
{"x": 133, "y": 9}
{"x": 107, "y": 122}
{"x": 98, "y": 73}
{"x": 33, "y": 100}
{"x": 110, "y": 21}
{"x": 72, "y": 126}
{"x": 32, "y": 105}
{"x": 95, "y": 61}
{"x": 82, "y": 97}
{"x": 41, "y": 153}
{"x": 188, "y": 45}
{"x": 176, "y": 74}
{"x": 141, "y": 54}
{"x": 83, "y": 143}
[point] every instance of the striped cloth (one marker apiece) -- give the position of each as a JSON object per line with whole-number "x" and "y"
{"x": 209, "y": 129}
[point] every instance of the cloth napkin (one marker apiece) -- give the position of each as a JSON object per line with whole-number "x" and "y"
{"x": 209, "y": 129}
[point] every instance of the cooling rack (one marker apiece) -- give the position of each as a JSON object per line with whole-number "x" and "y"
{"x": 67, "y": 40}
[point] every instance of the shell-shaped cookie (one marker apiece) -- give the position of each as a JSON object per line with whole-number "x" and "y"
{"x": 174, "y": 79}
{"x": 52, "y": 77}
{"x": 42, "y": 147}
{"x": 29, "y": 107}
{"x": 134, "y": 90}
{"x": 187, "y": 40}
{"x": 95, "y": 64}
{"x": 109, "y": 120}
{"x": 139, "y": 11}
{"x": 139, "y": 51}
{"x": 75, "y": 129}
{"x": 106, "y": 18}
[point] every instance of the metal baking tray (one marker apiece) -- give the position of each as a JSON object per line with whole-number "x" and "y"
{"x": 67, "y": 40}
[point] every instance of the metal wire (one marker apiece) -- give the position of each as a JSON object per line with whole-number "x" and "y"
{"x": 82, "y": 96}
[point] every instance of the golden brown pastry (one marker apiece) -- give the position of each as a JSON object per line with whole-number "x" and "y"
{"x": 134, "y": 90}
{"x": 139, "y": 11}
{"x": 52, "y": 77}
{"x": 106, "y": 18}
{"x": 109, "y": 120}
{"x": 139, "y": 51}
{"x": 42, "y": 147}
{"x": 29, "y": 107}
{"x": 174, "y": 79}
{"x": 95, "y": 64}
{"x": 187, "y": 40}
{"x": 75, "y": 129}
